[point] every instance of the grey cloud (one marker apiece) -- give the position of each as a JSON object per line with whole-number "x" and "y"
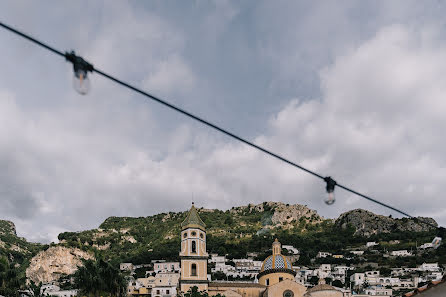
{"x": 342, "y": 90}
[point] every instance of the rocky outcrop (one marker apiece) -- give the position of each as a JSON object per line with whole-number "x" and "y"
{"x": 281, "y": 213}
{"x": 7, "y": 228}
{"x": 367, "y": 223}
{"x": 284, "y": 213}
{"x": 49, "y": 265}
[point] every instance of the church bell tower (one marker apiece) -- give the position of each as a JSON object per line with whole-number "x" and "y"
{"x": 193, "y": 255}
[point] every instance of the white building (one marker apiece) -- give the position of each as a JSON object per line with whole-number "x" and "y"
{"x": 357, "y": 253}
{"x": 63, "y": 293}
{"x": 167, "y": 278}
{"x": 215, "y": 258}
{"x": 372, "y": 277}
{"x": 358, "y": 279}
{"x": 429, "y": 267}
{"x": 126, "y": 266}
{"x": 166, "y": 267}
{"x": 370, "y": 244}
{"x": 402, "y": 271}
{"x": 291, "y": 249}
{"x": 378, "y": 291}
{"x": 401, "y": 253}
{"x": 223, "y": 267}
{"x": 164, "y": 291}
{"x": 340, "y": 272}
{"x": 323, "y": 255}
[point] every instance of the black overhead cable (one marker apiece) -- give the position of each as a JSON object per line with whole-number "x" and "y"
{"x": 69, "y": 57}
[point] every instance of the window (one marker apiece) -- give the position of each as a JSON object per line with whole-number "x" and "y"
{"x": 185, "y": 234}
{"x": 280, "y": 279}
{"x": 194, "y": 247}
{"x": 288, "y": 293}
{"x": 267, "y": 281}
{"x": 193, "y": 270}
{"x": 194, "y": 233}
{"x": 201, "y": 235}
{"x": 157, "y": 291}
{"x": 167, "y": 292}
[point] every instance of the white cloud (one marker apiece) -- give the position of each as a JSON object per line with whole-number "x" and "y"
{"x": 69, "y": 161}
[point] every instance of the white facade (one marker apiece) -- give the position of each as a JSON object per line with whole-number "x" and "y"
{"x": 64, "y": 293}
{"x": 166, "y": 267}
{"x": 429, "y": 267}
{"x": 323, "y": 255}
{"x": 378, "y": 291}
{"x": 401, "y": 253}
{"x": 291, "y": 249}
{"x": 358, "y": 278}
{"x": 164, "y": 291}
{"x": 370, "y": 244}
{"x": 126, "y": 266}
{"x": 167, "y": 279}
{"x": 215, "y": 258}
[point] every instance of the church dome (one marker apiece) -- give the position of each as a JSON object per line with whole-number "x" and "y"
{"x": 276, "y": 262}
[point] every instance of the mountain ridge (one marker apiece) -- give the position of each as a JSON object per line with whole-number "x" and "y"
{"x": 234, "y": 232}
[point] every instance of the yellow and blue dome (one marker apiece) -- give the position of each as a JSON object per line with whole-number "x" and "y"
{"x": 276, "y": 262}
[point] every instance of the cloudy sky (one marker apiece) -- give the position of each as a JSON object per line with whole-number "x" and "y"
{"x": 351, "y": 89}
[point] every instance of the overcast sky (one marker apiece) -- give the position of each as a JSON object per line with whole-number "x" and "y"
{"x": 351, "y": 89}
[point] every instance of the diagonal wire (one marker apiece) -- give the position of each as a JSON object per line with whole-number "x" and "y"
{"x": 214, "y": 126}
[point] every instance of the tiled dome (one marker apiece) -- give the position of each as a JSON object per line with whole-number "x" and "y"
{"x": 276, "y": 262}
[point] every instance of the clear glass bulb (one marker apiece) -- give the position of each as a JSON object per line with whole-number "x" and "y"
{"x": 330, "y": 198}
{"x": 81, "y": 83}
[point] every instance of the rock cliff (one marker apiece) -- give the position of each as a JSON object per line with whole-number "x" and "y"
{"x": 7, "y": 228}
{"x": 367, "y": 223}
{"x": 49, "y": 265}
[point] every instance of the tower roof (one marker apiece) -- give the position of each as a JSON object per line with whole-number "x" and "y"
{"x": 193, "y": 220}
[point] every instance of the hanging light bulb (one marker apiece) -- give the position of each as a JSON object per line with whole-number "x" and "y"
{"x": 81, "y": 82}
{"x": 331, "y": 183}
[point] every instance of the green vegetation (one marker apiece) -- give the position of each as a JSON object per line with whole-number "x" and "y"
{"x": 193, "y": 292}
{"x": 238, "y": 231}
{"x": 99, "y": 278}
{"x": 10, "y": 282}
{"x": 16, "y": 249}
{"x": 233, "y": 233}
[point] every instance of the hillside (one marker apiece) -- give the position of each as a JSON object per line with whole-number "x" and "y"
{"x": 131, "y": 238}
{"x": 16, "y": 249}
{"x": 233, "y": 232}
{"x": 240, "y": 230}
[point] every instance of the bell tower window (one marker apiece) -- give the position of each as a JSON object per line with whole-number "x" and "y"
{"x": 193, "y": 270}
{"x": 194, "y": 247}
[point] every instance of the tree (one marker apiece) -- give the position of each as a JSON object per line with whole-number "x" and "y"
{"x": 193, "y": 292}
{"x": 314, "y": 280}
{"x": 99, "y": 278}
{"x": 35, "y": 290}
{"x": 9, "y": 280}
{"x": 337, "y": 283}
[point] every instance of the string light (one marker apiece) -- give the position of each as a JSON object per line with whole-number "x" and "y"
{"x": 82, "y": 68}
{"x": 330, "y": 187}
